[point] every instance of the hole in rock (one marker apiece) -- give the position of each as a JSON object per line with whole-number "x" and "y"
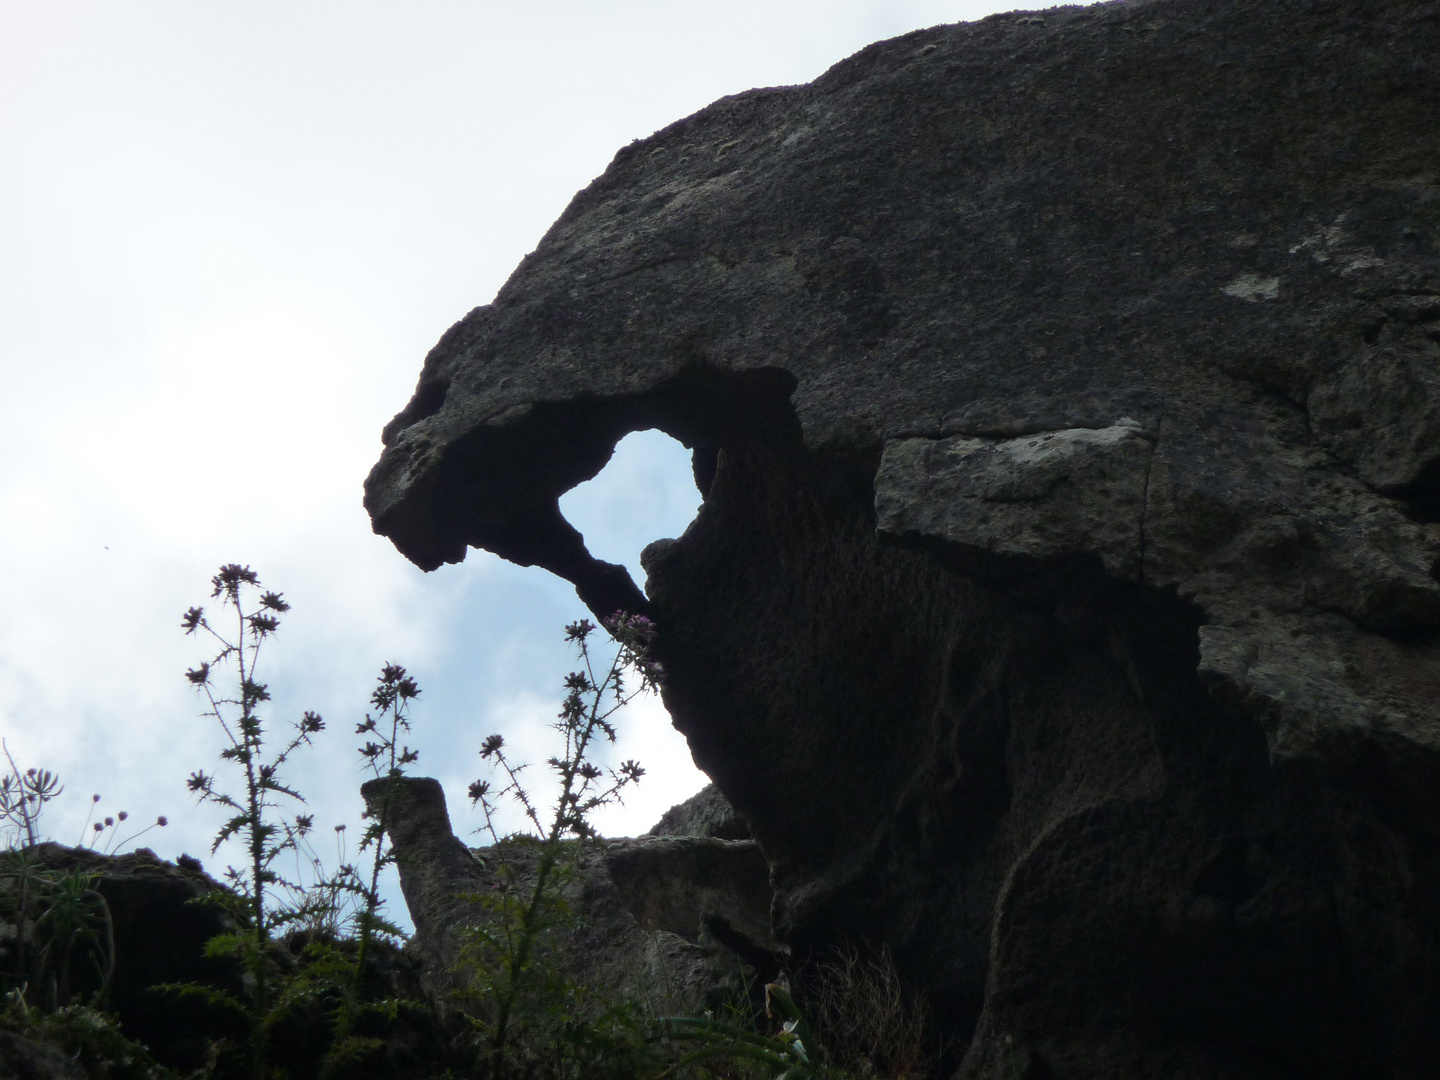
{"x": 1424, "y": 494}
{"x": 645, "y": 492}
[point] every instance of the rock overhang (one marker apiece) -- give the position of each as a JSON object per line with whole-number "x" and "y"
{"x": 1186, "y": 218}
{"x": 1094, "y": 344}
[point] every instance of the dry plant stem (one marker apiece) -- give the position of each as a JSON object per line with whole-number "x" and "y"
{"x": 256, "y": 839}
{"x": 25, "y": 814}
{"x": 33, "y": 787}
{"x": 24, "y": 872}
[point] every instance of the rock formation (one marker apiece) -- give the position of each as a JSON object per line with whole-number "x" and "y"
{"x": 146, "y": 925}
{"x": 1064, "y": 389}
{"x": 679, "y": 921}
{"x": 150, "y": 931}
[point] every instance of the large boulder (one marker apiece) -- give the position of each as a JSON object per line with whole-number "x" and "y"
{"x": 1064, "y": 389}
{"x": 151, "y": 930}
{"x": 146, "y": 926}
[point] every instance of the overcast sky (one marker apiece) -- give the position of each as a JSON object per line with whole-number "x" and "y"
{"x": 229, "y": 233}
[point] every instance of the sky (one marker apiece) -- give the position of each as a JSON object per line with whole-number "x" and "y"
{"x": 229, "y": 233}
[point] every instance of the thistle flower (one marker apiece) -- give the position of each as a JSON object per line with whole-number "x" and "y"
{"x": 254, "y": 691}
{"x": 231, "y": 576}
{"x": 631, "y": 771}
{"x": 635, "y": 631}
{"x": 261, "y": 625}
{"x": 491, "y": 746}
{"x": 193, "y": 619}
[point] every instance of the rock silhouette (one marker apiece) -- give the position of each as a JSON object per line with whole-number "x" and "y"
{"x": 1063, "y": 612}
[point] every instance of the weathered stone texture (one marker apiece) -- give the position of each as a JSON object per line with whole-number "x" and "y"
{"x": 670, "y": 921}
{"x": 706, "y": 813}
{"x": 1063, "y": 611}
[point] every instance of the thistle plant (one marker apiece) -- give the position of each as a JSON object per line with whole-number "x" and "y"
{"x": 506, "y": 949}
{"x": 385, "y": 756}
{"x": 257, "y": 815}
{"x": 386, "y": 759}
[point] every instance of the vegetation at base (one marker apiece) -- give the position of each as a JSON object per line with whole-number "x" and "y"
{"x": 86, "y": 1036}
{"x": 63, "y": 949}
{"x": 315, "y": 992}
{"x": 304, "y": 947}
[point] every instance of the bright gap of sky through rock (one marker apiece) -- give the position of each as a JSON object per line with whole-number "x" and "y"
{"x": 229, "y": 233}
